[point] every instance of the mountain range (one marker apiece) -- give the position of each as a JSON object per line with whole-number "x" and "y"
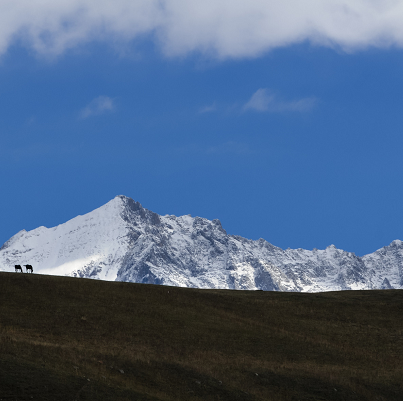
{"x": 123, "y": 241}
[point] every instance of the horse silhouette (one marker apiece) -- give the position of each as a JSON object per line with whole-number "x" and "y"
{"x": 18, "y": 267}
{"x": 29, "y": 267}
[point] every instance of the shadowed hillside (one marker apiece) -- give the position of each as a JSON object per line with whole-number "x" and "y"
{"x": 77, "y": 339}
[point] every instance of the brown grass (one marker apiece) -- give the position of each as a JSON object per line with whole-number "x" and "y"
{"x": 76, "y": 339}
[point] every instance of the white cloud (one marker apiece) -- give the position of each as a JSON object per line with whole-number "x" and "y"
{"x": 208, "y": 109}
{"x": 219, "y": 28}
{"x": 264, "y": 100}
{"x": 97, "y": 106}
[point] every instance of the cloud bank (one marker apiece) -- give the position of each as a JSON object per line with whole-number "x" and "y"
{"x": 216, "y": 28}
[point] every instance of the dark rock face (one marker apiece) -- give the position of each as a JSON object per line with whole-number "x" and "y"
{"x": 133, "y": 211}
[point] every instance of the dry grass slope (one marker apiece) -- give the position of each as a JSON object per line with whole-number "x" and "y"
{"x": 76, "y": 339}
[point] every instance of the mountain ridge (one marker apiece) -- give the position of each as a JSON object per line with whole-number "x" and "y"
{"x": 124, "y": 241}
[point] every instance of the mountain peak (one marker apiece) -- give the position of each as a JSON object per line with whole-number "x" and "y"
{"x": 396, "y": 243}
{"x": 124, "y": 241}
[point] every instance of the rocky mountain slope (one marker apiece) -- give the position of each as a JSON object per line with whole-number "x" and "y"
{"x": 124, "y": 241}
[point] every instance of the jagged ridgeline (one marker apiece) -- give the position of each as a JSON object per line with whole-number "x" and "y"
{"x": 123, "y": 241}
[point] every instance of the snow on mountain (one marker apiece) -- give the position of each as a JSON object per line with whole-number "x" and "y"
{"x": 125, "y": 242}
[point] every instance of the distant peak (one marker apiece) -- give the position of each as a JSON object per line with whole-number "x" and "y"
{"x": 121, "y": 198}
{"x": 386, "y": 284}
{"x": 127, "y": 201}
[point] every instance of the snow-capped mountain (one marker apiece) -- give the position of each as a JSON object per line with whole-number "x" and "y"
{"x": 125, "y": 242}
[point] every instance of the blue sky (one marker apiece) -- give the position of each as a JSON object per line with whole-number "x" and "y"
{"x": 292, "y": 133}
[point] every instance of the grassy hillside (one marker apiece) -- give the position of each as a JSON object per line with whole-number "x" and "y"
{"x": 76, "y": 339}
